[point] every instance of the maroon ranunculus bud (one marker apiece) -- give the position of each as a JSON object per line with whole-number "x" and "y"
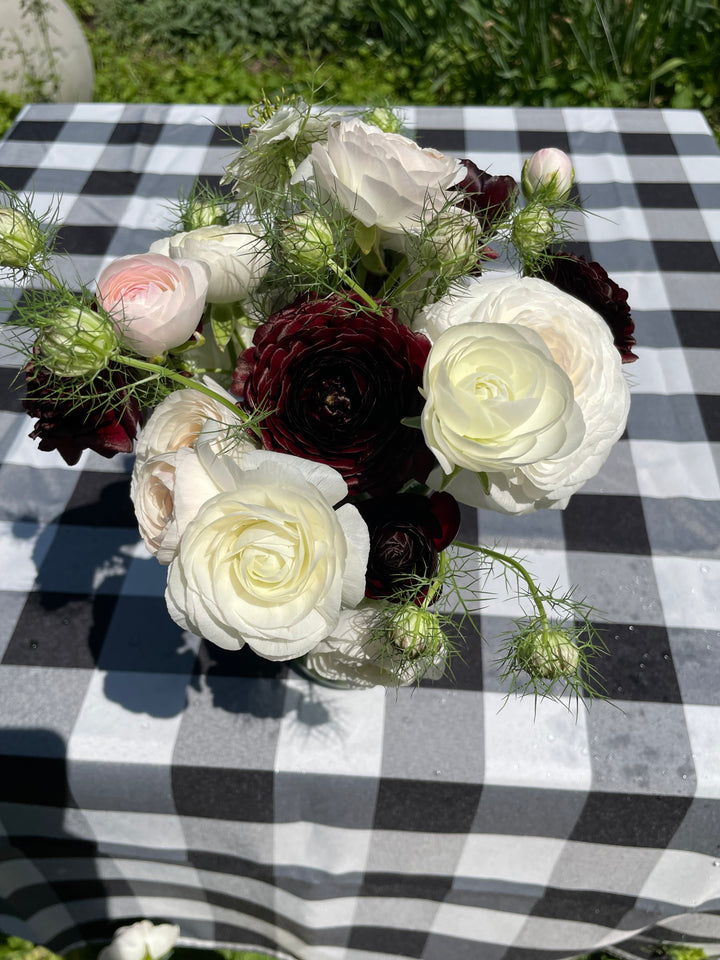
{"x": 407, "y": 531}
{"x": 337, "y": 380}
{"x": 490, "y": 197}
{"x": 590, "y": 283}
{"x": 71, "y": 424}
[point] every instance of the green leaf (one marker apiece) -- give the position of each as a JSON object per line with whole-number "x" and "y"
{"x": 222, "y": 321}
{"x": 365, "y": 237}
{"x": 414, "y": 422}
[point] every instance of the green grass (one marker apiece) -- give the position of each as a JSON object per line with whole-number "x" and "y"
{"x": 628, "y": 53}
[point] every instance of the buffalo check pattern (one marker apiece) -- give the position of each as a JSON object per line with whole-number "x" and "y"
{"x": 145, "y": 773}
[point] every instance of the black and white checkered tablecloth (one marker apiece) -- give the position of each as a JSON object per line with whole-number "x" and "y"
{"x": 144, "y": 773}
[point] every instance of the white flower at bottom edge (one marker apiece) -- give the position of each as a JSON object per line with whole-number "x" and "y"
{"x": 140, "y": 940}
{"x": 355, "y": 654}
{"x": 269, "y": 562}
{"x": 581, "y": 343}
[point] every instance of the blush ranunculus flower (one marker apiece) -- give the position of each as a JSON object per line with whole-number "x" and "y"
{"x": 141, "y": 940}
{"x": 156, "y": 303}
{"x": 582, "y": 344}
{"x": 495, "y": 399}
{"x": 269, "y": 562}
{"x": 236, "y": 256}
{"x": 383, "y": 179}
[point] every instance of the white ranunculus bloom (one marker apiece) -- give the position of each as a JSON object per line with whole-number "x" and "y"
{"x": 352, "y": 655}
{"x": 383, "y": 179}
{"x": 582, "y": 344}
{"x": 269, "y": 562}
{"x": 237, "y": 256}
{"x": 495, "y": 399}
{"x": 140, "y": 940}
{"x": 178, "y": 420}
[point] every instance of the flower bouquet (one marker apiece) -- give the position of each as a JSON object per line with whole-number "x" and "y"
{"x": 326, "y": 359}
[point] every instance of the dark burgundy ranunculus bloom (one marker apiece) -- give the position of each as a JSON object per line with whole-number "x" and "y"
{"x": 69, "y": 426}
{"x": 590, "y": 283}
{"x": 489, "y": 197}
{"x": 407, "y": 531}
{"x": 338, "y": 379}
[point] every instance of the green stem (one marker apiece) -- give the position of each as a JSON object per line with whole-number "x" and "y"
{"x": 392, "y": 278}
{"x": 51, "y": 279}
{"x": 435, "y": 583}
{"x": 519, "y": 570}
{"x": 182, "y": 381}
{"x": 355, "y": 287}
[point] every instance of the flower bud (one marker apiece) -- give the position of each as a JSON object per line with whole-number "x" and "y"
{"x": 204, "y": 213}
{"x": 548, "y": 654}
{"x": 548, "y": 174}
{"x": 451, "y": 242}
{"x": 416, "y": 632}
{"x": 78, "y": 343}
{"x": 532, "y": 230}
{"x": 20, "y": 239}
{"x": 308, "y": 241}
{"x": 384, "y": 118}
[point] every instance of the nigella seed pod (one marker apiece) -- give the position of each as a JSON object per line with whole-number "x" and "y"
{"x": 416, "y": 632}
{"x": 307, "y": 242}
{"x": 20, "y": 239}
{"x": 78, "y": 343}
{"x": 548, "y": 654}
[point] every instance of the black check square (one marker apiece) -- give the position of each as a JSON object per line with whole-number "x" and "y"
{"x": 245, "y": 795}
{"x": 710, "y": 412}
{"x": 446, "y": 141}
{"x": 688, "y": 256}
{"x": 644, "y": 144}
{"x": 630, "y": 820}
{"x": 638, "y": 664}
{"x": 59, "y": 630}
{"x": 15, "y": 178}
{"x": 698, "y": 328}
{"x": 531, "y": 141}
{"x": 229, "y": 135}
{"x": 597, "y": 523}
{"x": 113, "y": 183}
{"x": 84, "y": 240}
{"x": 146, "y": 133}
{"x": 426, "y": 806}
{"x": 666, "y": 196}
{"x": 36, "y": 130}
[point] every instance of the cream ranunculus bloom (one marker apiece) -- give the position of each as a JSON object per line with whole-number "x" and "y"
{"x": 383, "y": 179}
{"x": 582, "y": 344}
{"x": 237, "y": 257}
{"x": 496, "y": 399}
{"x": 269, "y": 562}
{"x": 140, "y": 940}
{"x": 178, "y": 420}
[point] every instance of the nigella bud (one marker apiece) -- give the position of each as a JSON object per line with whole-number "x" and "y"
{"x": 416, "y": 632}
{"x": 548, "y": 174}
{"x": 384, "y": 118}
{"x": 489, "y": 197}
{"x": 204, "y": 213}
{"x": 532, "y": 230}
{"x": 21, "y": 240}
{"x": 548, "y": 654}
{"x": 450, "y": 243}
{"x": 308, "y": 242}
{"x": 77, "y": 343}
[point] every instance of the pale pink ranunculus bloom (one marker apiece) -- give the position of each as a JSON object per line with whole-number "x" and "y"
{"x": 156, "y": 303}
